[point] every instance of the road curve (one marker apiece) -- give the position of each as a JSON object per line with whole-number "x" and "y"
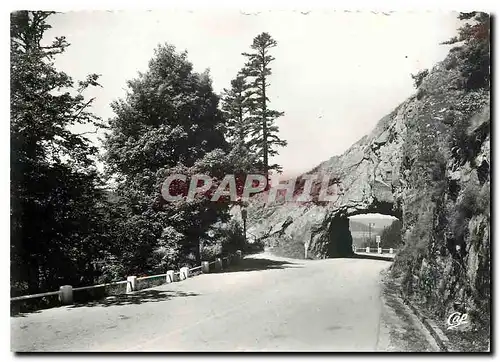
{"x": 264, "y": 304}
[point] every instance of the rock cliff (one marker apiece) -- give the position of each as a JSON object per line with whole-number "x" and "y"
{"x": 427, "y": 163}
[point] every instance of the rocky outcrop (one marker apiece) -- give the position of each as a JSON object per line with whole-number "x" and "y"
{"x": 427, "y": 163}
{"x": 365, "y": 178}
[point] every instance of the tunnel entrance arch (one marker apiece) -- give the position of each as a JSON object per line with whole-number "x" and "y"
{"x": 341, "y": 238}
{"x": 375, "y": 231}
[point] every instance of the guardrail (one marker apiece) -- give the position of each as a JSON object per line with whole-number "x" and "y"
{"x": 39, "y": 295}
{"x": 374, "y": 250}
{"x": 65, "y": 292}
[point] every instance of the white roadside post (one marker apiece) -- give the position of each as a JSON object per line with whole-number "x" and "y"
{"x": 391, "y": 251}
{"x": 239, "y": 254}
{"x": 205, "y": 267}
{"x": 367, "y": 249}
{"x": 131, "y": 283}
{"x": 66, "y": 294}
{"x": 379, "y": 249}
{"x": 218, "y": 264}
{"x": 170, "y": 276}
{"x": 184, "y": 273}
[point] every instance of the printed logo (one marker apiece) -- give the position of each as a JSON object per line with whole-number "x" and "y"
{"x": 457, "y": 319}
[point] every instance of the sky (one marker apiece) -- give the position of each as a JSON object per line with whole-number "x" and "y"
{"x": 335, "y": 75}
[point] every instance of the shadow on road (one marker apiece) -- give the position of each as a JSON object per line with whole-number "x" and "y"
{"x": 254, "y": 264}
{"x": 140, "y": 297}
{"x": 17, "y": 314}
{"x": 372, "y": 257}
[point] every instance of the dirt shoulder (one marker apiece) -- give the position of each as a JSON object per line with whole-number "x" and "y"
{"x": 405, "y": 319}
{"x": 406, "y": 333}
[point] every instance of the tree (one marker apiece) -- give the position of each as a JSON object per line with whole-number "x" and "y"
{"x": 391, "y": 235}
{"x": 264, "y": 132}
{"x": 168, "y": 123}
{"x": 475, "y": 50}
{"x": 57, "y": 206}
{"x": 235, "y": 106}
{"x": 419, "y": 77}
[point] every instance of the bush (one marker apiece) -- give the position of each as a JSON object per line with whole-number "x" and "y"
{"x": 391, "y": 235}
{"x": 226, "y": 239}
{"x": 475, "y": 53}
{"x": 474, "y": 201}
{"x": 255, "y": 247}
{"x": 210, "y": 252}
{"x": 419, "y": 77}
{"x": 420, "y": 94}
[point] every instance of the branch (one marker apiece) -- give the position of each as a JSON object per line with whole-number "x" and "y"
{"x": 81, "y": 109}
{"x": 88, "y": 132}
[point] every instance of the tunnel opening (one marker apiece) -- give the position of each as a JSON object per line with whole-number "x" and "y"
{"x": 383, "y": 214}
{"x": 375, "y": 231}
{"x": 362, "y": 230}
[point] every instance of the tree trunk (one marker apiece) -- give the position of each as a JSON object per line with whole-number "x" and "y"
{"x": 264, "y": 128}
{"x": 33, "y": 279}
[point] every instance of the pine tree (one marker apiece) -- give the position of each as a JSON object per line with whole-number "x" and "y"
{"x": 264, "y": 132}
{"x": 235, "y": 106}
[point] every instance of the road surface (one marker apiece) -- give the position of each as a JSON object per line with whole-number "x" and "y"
{"x": 265, "y": 304}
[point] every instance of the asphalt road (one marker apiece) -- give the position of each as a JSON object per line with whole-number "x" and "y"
{"x": 265, "y": 304}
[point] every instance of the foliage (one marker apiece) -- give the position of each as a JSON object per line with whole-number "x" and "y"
{"x": 168, "y": 123}
{"x": 257, "y": 246}
{"x": 58, "y": 210}
{"x": 286, "y": 246}
{"x": 391, "y": 235}
{"x": 236, "y": 102}
{"x": 445, "y": 257}
{"x": 465, "y": 144}
{"x": 475, "y": 51}
{"x": 474, "y": 201}
{"x": 419, "y": 77}
{"x": 225, "y": 239}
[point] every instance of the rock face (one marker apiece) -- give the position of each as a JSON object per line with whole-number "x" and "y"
{"x": 427, "y": 163}
{"x": 368, "y": 174}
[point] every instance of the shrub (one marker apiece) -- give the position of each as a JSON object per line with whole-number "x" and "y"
{"x": 226, "y": 239}
{"x": 475, "y": 53}
{"x": 419, "y": 77}
{"x": 255, "y": 247}
{"x": 210, "y": 252}
{"x": 420, "y": 94}
{"x": 391, "y": 235}
{"x": 473, "y": 202}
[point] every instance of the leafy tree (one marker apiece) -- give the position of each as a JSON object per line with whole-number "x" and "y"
{"x": 57, "y": 208}
{"x": 264, "y": 132}
{"x": 475, "y": 50}
{"x": 168, "y": 123}
{"x": 391, "y": 235}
